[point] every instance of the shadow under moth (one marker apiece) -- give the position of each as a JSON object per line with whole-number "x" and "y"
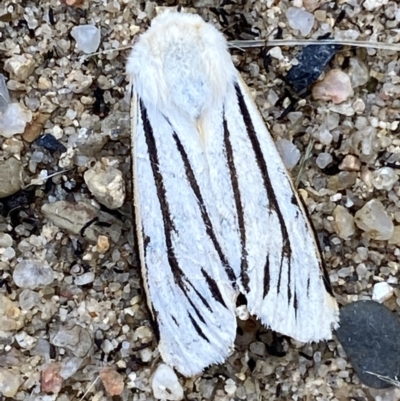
{"x": 216, "y": 212}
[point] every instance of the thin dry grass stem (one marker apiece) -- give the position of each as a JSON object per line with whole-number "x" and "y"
{"x": 42, "y": 180}
{"x": 89, "y": 388}
{"x": 386, "y": 379}
{"x": 246, "y": 44}
{"x": 303, "y": 162}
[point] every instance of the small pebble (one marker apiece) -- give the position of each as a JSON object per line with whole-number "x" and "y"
{"x": 311, "y": 62}
{"x": 28, "y": 299}
{"x": 230, "y": 387}
{"x": 343, "y": 222}
{"x": 10, "y": 381}
{"x": 300, "y": 19}
{"x": 48, "y": 142}
{"x": 71, "y": 216}
{"x": 87, "y": 37}
{"x": 84, "y": 279}
{"x": 382, "y": 292}
{"x": 369, "y": 333}
{"x": 358, "y": 72}
{"x": 106, "y": 183}
{"x": 25, "y": 341}
{"x": 113, "y": 382}
{"x": 13, "y": 120}
{"x": 374, "y": 220}
{"x": 50, "y": 379}
{"x": 116, "y": 125}
{"x": 11, "y": 318}
{"x": 289, "y": 153}
{"x": 73, "y": 3}
{"x": 20, "y": 66}
{"x": 350, "y": 163}
{"x": 44, "y": 83}
{"x": 103, "y": 244}
{"x": 69, "y": 366}
{"x": 395, "y": 238}
{"x": 35, "y": 127}
{"x": 13, "y": 146}
{"x": 384, "y": 178}
{"x": 77, "y": 339}
{"x": 276, "y": 52}
{"x": 32, "y": 274}
{"x": 323, "y": 160}
{"x": 165, "y": 384}
{"x": 311, "y": 5}
{"x": 371, "y": 5}
{"x": 5, "y": 240}
{"x": 335, "y": 86}
{"x": 4, "y": 94}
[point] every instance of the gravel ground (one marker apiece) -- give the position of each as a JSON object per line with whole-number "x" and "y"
{"x": 73, "y": 321}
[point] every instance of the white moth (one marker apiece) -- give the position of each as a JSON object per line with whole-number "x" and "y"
{"x": 215, "y": 209}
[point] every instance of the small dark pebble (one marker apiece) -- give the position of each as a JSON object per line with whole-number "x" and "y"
{"x": 15, "y": 201}
{"x": 370, "y": 334}
{"x": 276, "y": 347}
{"x": 50, "y": 143}
{"x": 312, "y": 61}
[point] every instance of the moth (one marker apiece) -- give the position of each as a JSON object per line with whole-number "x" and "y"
{"x": 215, "y": 209}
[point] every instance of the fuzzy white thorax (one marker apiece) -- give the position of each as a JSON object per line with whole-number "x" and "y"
{"x": 181, "y": 65}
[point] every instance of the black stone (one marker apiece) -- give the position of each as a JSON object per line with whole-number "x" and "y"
{"x": 370, "y": 334}
{"x": 16, "y": 201}
{"x": 312, "y": 61}
{"x": 50, "y": 143}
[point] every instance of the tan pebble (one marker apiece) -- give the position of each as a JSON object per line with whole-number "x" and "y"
{"x": 303, "y": 193}
{"x": 13, "y": 146}
{"x": 336, "y": 86}
{"x": 311, "y": 5}
{"x": 87, "y": 100}
{"x": 14, "y": 85}
{"x": 350, "y": 163}
{"x": 35, "y": 127}
{"x": 103, "y": 244}
{"x": 343, "y": 222}
{"x": 19, "y": 66}
{"x": 11, "y": 176}
{"x": 113, "y": 382}
{"x": 73, "y": 3}
{"x": 395, "y": 238}
{"x": 44, "y": 83}
{"x": 134, "y": 29}
{"x": 320, "y": 15}
{"x": 10, "y": 381}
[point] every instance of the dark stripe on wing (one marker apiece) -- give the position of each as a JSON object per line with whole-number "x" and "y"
{"x": 262, "y": 165}
{"x": 179, "y": 276}
{"x": 212, "y": 285}
{"x": 174, "y": 320}
{"x": 195, "y": 309}
{"x": 204, "y": 214}
{"x": 198, "y": 328}
{"x": 267, "y": 277}
{"x": 239, "y": 207}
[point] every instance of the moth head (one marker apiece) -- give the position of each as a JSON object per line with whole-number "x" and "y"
{"x": 181, "y": 64}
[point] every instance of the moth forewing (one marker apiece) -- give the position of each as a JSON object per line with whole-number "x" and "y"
{"x": 296, "y": 298}
{"x": 215, "y": 209}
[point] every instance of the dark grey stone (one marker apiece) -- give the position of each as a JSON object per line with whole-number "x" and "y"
{"x": 370, "y": 334}
{"x": 50, "y": 143}
{"x": 312, "y": 61}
